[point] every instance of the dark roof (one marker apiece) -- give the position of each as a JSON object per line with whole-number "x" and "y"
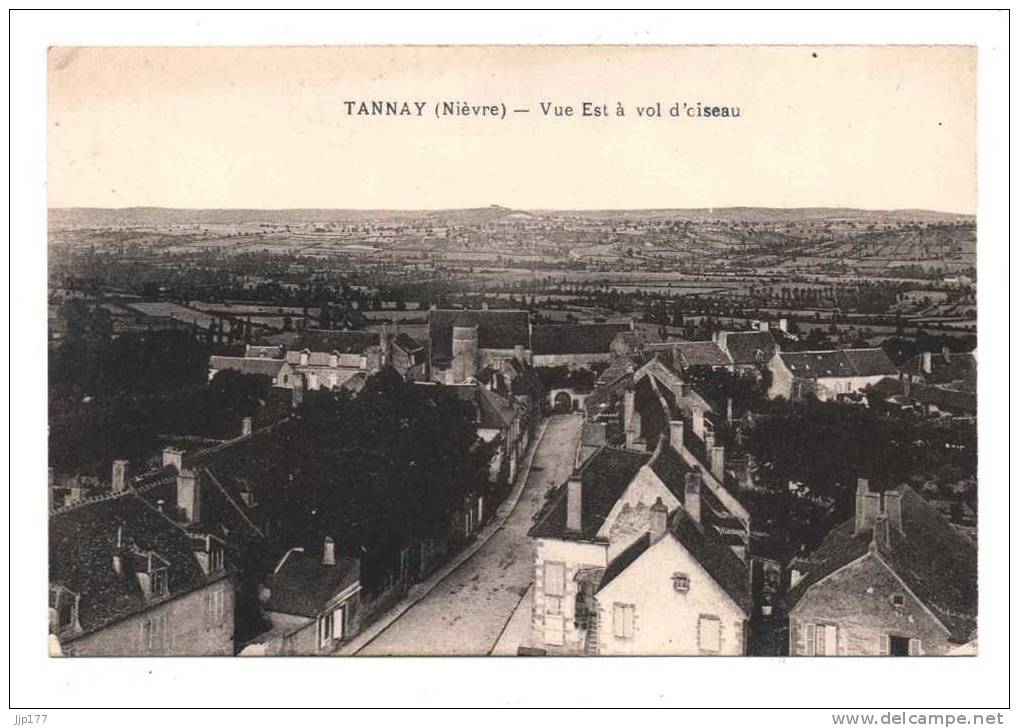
{"x": 957, "y": 368}
{"x": 710, "y": 550}
{"x": 83, "y": 541}
{"x": 839, "y": 363}
{"x": 604, "y": 477}
{"x": 871, "y": 362}
{"x": 750, "y": 347}
{"x": 329, "y": 340}
{"x": 496, "y": 329}
{"x": 575, "y": 338}
{"x": 304, "y": 586}
{"x": 701, "y": 354}
{"x": 491, "y": 410}
{"x": 947, "y": 400}
{"x": 407, "y": 343}
{"x": 937, "y": 564}
{"x": 623, "y": 560}
{"x": 705, "y": 546}
{"x": 245, "y": 365}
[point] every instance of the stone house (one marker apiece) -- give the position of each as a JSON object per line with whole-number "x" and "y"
{"x": 312, "y": 602}
{"x": 126, "y": 580}
{"x": 896, "y": 579}
{"x": 625, "y": 519}
{"x": 827, "y": 374}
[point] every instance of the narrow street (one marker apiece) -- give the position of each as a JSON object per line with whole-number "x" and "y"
{"x": 466, "y": 612}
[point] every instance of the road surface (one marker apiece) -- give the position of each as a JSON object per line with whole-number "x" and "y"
{"x": 466, "y": 612}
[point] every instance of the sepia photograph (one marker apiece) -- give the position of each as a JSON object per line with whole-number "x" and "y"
{"x": 503, "y": 350}
{"x": 727, "y": 430}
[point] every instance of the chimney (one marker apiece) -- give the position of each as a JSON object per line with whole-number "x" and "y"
{"x": 709, "y": 442}
{"x": 328, "y": 552}
{"x": 676, "y": 433}
{"x": 297, "y": 393}
{"x": 893, "y": 509}
{"x": 658, "y": 520}
{"x": 698, "y": 422}
{"x": 573, "y": 502}
{"x": 926, "y": 362}
{"x": 630, "y": 426}
{"x": 946, "y": 354}
{"x": 246, "y": 426}
{"x": 692, "y": 496}
{"x": 762, "y": 326}
{"x": 518, "y": 352}
{"x": 484, "y": 305}
{"x": 728, "y": 409}
{"x": 868, "y": 505}
{"x": 783, "y": 325}
{"x": 120, "y": 474}
{"x": 717, "y": 455}
{"x": 173, "y": 456}
{"x": 189, "y": 496}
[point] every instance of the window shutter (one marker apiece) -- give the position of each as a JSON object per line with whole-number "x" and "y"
{"x": 914, "y": 647}
{"x": 819, "y": 646}
{"x": 884, "y": 647}
{"x": 809, "y": 639}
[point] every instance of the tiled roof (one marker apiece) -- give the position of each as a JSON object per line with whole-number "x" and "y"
{"x": 265, "y": 367}
{"x": 304, "y": 586}
{"x": 701, "y": 354}
{"x": 575, "y": 338}
{"x": 711, "y": 551}
{"x": 604, "y": 477}
{"x": 83, "y": 541}
{"x": 750, "y": 347}
{"x": 937, "y": 564}
{"x": 496, "y": 329}
{"x": 328, "y": 340}
{"x": 839, "y": 363}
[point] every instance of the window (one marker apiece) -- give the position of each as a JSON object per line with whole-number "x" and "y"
{"x": 154, "y": 633}
{"x": 897, "y": 646}
{"x": 622, "y": 620}
{"x": 159, "y": 588}
{"x": 709, "y": 633}
{"x": 681, "y": 582}
{"x": 826, "y": 639}
{"x": 555, "y": 578}
{"x": 215, "y": 608}
{"x": 216, "y": 558}
{"x": 898, "y": 603}
{"x": 325, "y": 630}
{"x": 553, "y": 605}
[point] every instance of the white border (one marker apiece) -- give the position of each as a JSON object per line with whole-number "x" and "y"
{"x": 39, "y": 683}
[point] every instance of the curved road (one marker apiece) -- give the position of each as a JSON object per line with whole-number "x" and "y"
{"x": 466, "y": 612}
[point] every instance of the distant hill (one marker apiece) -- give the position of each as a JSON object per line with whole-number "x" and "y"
{"x": 163, "y": 216}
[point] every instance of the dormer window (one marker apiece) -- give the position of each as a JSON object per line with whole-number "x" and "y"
{"x": 898, "y": 603}
{"x": 63, "y": 610}
{"x": 160, "y": 586}
{"x": 681, "y": 582}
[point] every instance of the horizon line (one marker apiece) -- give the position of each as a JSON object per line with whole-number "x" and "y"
{"x": 521, "y": 209}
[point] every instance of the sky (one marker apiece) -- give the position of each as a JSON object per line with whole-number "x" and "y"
{"x": 268, "y": 127}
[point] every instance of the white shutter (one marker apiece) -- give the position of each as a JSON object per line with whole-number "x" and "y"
{"x": 884, "y": 647}
{"x": 914, "y": 647}
{"x": 338, "y": 623}
{"x": 831, "y": 639}
{"x": 809, "y": 641}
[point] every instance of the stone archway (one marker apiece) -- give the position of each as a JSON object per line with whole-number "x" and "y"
{"x": 562, "y": 403}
